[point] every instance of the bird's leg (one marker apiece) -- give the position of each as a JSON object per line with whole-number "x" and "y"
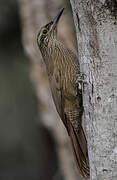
{"x": 80, "y": 81}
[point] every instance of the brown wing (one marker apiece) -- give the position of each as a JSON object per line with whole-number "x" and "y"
{"x": 57, "y": 95}
{"x": 79, "y": 142}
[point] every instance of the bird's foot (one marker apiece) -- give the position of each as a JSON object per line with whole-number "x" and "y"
{"x": 80, "y": 81}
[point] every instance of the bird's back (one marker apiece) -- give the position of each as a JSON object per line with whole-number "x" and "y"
{"x": 65, "y": 67}
{"x": 67, "y": 100}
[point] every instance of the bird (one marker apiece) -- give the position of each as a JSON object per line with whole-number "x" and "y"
{"x": 66, "y": 84}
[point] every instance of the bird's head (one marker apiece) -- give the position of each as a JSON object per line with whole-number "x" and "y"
{"x": 49, "y": 30}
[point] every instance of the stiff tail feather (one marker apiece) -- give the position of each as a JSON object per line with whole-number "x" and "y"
{"x": 79, "y": 144}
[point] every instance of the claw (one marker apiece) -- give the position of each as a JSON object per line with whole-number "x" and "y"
{"x": 80, "y": 81}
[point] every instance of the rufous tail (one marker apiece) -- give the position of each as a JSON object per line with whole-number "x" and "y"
{"x": 79, "y": 144}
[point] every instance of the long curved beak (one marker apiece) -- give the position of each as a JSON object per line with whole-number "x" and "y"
{"x": 57, "y": 17}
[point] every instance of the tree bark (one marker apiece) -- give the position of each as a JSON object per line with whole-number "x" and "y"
{"x": 35, "y": 14}
{"x": 96, "y": 28}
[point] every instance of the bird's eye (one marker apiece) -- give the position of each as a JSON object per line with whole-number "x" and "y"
{"x": 44, "y": 31}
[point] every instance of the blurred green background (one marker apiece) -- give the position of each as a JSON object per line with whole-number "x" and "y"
{"x": 25, "y": 145}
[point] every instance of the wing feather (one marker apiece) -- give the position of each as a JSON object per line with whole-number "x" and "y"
{"x": 79, "y": 142}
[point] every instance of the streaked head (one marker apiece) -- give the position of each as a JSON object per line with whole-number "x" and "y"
{"x": 49, "y": 30}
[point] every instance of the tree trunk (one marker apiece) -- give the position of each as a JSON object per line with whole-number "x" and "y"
{"x": 96, "y": 27}
{"x": 35, "y": 14}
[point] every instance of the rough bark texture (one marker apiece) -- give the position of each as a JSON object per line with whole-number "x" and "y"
{"x": 34, "y": 14}
{"x": 96, "y": 27}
